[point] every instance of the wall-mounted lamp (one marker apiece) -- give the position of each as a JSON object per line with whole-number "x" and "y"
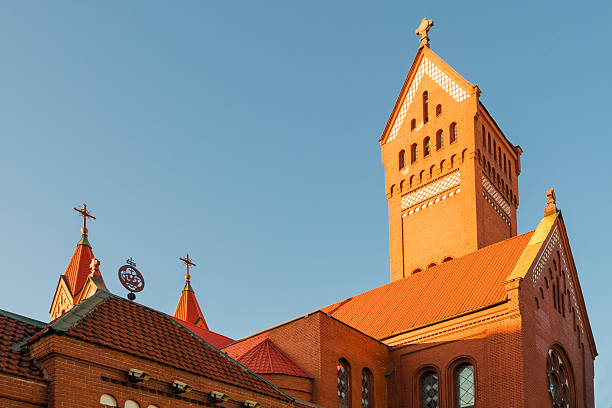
{"x": 137, "y": 376}
{"x": 217, "y": 396}
{"x": 180, "y": 387}
{"x": 251, "y": 404}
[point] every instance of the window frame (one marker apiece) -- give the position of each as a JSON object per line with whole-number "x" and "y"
{"x": 344, "y": 363}
{"x": 451, "y": 372}
{"x": 366, "y": 371}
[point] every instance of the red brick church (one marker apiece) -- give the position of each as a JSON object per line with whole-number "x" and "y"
{"x": 474, "y": 314}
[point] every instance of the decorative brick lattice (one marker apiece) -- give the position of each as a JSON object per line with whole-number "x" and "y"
{"x": 444, "y": 81}
{"x": 430, "y": 190}
{"x": 554, "y": 242}
{"x": 496, "y": 195}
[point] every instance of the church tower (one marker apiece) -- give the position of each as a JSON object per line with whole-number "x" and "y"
{"x": 451, "y": 175}
{"x": 82, "y": 276}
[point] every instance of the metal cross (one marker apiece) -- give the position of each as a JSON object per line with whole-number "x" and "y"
{"x": 188, "y": 263}
{"x": 85, "y": 214}
{"x": 423, "y": 29}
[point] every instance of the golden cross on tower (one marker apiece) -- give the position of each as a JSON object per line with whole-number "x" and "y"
{"x": 85, "y": 214}
{"x": 423, "y": 29}
{"x": 188, "y": 263}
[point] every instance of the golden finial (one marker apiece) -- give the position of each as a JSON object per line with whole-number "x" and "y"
{"x": 188, "y": 263}
{"x": 423, "y": 30}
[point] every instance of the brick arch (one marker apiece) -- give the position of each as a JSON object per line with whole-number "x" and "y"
{"x": 418, "y": 376}
{"x": 450, "y": 376}
{"x": 107, "y": 400}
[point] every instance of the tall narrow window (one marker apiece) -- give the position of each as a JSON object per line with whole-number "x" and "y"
{"x": 465, "y": 389}
{"x": 489, "y": 142}
{"x": 426, "y": 147}
{"x": 505, "y": 164}
{"x": 484, "y": 137}
{"x": 344, "y": 384}
{"x": 438, "y": 110}
{"x": 499, "y": 156}
{"x": 453, "y": 132}
{"x": 425, "y": 107}
{"x": 494, "y": 150}
{"x": 367, "y": 399}
{"x": 412, "y": 124}
{"x": 439, "y": 140}
{"x": 430, "y": 393}
{"x": 402, "y": 159}
{"x": 413, "y": 153}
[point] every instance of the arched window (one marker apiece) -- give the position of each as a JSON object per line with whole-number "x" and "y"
{"x": 448, "y": 258}
{"x": 131, "y": 404}
{"x": 344, "y": 384}
{"x": 484, "y": 138}
{"x": 465, "y": 387}
{"x": 412, "y": 124}
{"x": 453, "y": 132}
{"x": 426, "y": 147}
{"x": 402, "y": 159}
{"x": 430, "y": 392}
{"x": 489, "y": 142}
{"x": 439, "y": 140}
{"x": 413, "y": 153}
{"x": 417, "y": 270}
{"x": 438, "y": 110}
{"x": 107, "y": 401}
{"x": 425, "y": 107}
{"x": 367, "y": 380}
{"x": 560, "y": 378}
{"x": 494, "y": 150}
{"x": 499, "y": 156}
{"x": 505, "y": 164}
{"x": 431, "y": 265}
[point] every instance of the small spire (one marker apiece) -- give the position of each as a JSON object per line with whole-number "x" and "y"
{"x": 551, "y": 202}
{"x": 423, "y": 30}
{"x": 188, "y": 263}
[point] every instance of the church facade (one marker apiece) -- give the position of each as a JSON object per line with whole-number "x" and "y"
{"x": 474, "y": 315}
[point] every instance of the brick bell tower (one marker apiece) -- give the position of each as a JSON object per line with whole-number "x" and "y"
{"x": 451, "y": 175}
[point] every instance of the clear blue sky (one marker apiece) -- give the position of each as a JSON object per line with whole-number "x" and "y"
{"x": 246, "y": 133}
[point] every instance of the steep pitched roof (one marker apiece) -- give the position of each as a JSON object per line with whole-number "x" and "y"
{"x": 120, "y": 324}
{"x": 188, "y": 308}
{"x": 14, "y": 329}
{"x": 266, "y": 358}
{"x": 79, "y": 266}
{"x": 458, "y": 286}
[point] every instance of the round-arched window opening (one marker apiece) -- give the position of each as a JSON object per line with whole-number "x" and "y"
{"x": 560, "y": 384}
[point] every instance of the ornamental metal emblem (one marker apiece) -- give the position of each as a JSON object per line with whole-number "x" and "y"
{"x": 131, "y": 278}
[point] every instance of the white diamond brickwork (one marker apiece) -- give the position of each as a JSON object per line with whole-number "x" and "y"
{"x": 444, "y": 81}
{"x": 496, "y": 195}
{"x": 554, "y": 242}
{"x": 430, "y": 190}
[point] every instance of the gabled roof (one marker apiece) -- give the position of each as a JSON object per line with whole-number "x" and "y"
{"x": 188, "y": 309}
{"x": 426, "y": 62}
{"x": 79, "y": 266}
{"x": 15, "y": 329}
{"x": 464, "y": 284}
{"x": 108, "y": 320}
{"x": 266, "y": 358}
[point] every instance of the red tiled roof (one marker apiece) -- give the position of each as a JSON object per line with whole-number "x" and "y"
{"x": 14, "y": 329}
{"x": 79, "y": 266}
{"x": 266, "y": 358}
{"x": 216, "y": 339}
{"x": 126, "y": 326}
{"x": 188, "y": 309}
{"x": 451, "y": 288}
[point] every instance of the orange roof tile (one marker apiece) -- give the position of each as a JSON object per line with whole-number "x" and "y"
{"x": 266, "y": 358}
{"x": 14, "y": 329}
{"x": 188, "y": 309}
{"x": 126, "y": 326}
{"x": 451, "y": 288}
{"x": 78, "y": 268}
